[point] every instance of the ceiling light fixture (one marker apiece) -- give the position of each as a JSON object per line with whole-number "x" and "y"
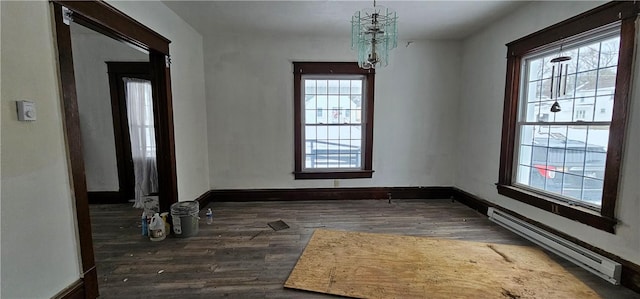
{"x": 374, "y": 33}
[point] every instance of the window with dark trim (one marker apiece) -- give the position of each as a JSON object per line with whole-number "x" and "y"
{"x": 333, "y": 103}
{"x": 529, "y": 126}
{"x": 117, "y": 72}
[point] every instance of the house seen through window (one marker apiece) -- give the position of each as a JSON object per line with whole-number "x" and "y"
{"x": 334, "y": 139}
{"x": 334, "y": 115}
{"x": 565, "y": 153}
{"x": 563, "y": 135}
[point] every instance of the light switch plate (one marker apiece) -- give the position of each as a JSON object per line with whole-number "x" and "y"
{"x": 26, "y": 110}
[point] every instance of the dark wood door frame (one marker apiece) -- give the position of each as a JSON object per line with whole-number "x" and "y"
{"x": 105, "y": 19}
{"x": 117, "y": 71}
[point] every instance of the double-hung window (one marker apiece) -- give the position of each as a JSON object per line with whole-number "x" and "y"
{"x": 563, "y": 153}
{"x": 565, "y": 112}
{"x": 333, "y": 120}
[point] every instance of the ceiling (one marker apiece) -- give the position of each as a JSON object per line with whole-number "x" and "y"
{"x": 417, "y": 19}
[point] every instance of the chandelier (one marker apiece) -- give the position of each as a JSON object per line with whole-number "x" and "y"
{"x": 374, "y": 33}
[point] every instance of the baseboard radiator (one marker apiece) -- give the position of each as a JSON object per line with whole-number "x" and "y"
{"x": 587, "y": 259}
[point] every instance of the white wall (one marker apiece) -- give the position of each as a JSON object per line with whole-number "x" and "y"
{"x": 0, "y": 161}
{"x": 0, "y": 147}
{"x": 187, "y": 83}
{"x": 90, "y": 51}
{"x": 479, "y": 136}
{"x": 40, "y": 254}
{"x": 250, "y": 111}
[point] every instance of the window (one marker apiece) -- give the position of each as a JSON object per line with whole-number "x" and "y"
{"x": 568, "y": 162}
{"x": 565, "y": 156}
{"x": 139, "y": 103}
{"x": 338, "y": 143}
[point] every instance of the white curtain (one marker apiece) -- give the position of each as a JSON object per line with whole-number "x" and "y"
{"x": 143, "y": 140}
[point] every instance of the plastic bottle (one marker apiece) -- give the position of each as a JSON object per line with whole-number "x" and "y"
{"x": 167, "y": 227}
{"x": 156, "y": 228}
{"x": 145, "y": 228}
{"x": 209, "y": 216}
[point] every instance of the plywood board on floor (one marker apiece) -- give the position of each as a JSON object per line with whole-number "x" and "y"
{"x": 366, "y": 265}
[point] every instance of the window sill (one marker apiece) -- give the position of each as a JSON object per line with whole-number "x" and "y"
{"x": 583, "y": 215}
{"x": 352, "y": 174}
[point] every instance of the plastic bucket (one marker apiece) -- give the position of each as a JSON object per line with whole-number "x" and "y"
{"x": 185, "y": 218}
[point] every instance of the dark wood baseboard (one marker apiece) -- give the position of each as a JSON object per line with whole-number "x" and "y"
{"x": 630, "y": 271}
{"x": 106, "y": 197}
{"x": 91, "y": 283}
{"x": 205, "y": 199}
{"x": 81, "y": 288}
{"x": 74, "y": 291}
{"x": 324, "y": 194}
{"x": 472, "y": 201}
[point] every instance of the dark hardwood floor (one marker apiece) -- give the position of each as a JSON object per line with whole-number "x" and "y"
{"x": 239, "y": 256}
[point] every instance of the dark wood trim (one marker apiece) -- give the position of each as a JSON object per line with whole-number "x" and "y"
{"x": 297, "y": 120}
{"x": 368, "y": 138}
{"x": 330, "y": 68}
{"x": 329, "y": 194}
{"x": 120, "y": 134}
{"x": 630, "y": 276}
{"x": 607, "y": 14}
{"x": 137, "y": 69}
{"x": 165, "y": 139}
{"x": 81, "y": 288}
{"x": 105, "y": 19}
{"x": 106, "y": 197}
{"x": 91, "y": 282}
{"x": 600, "y": 16}
{"x": 74, "y": 291}
{"x": 472, "y": 201}
{"x": 73, "y": 136}
{"x": 509, "y": 117}
{"x": 333, "y": 68}
{"x": 306, "y": 175}
{"x": 618, "y": 129}
{"x": 205, "y": 199}
{"x": 323, "y": 194}
{"x": 630, "y": 271}
{"x": 582, "y": 215}
{"x": 122, "y": 138}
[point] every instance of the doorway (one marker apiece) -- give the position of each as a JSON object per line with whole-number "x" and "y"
{"x": 101, "y": 65}
{"x": 106, "y": 20}
{"x": 133, "y": 126}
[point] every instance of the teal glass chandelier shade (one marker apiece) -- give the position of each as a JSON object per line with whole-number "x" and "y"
{"x": 374, "y": 32}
